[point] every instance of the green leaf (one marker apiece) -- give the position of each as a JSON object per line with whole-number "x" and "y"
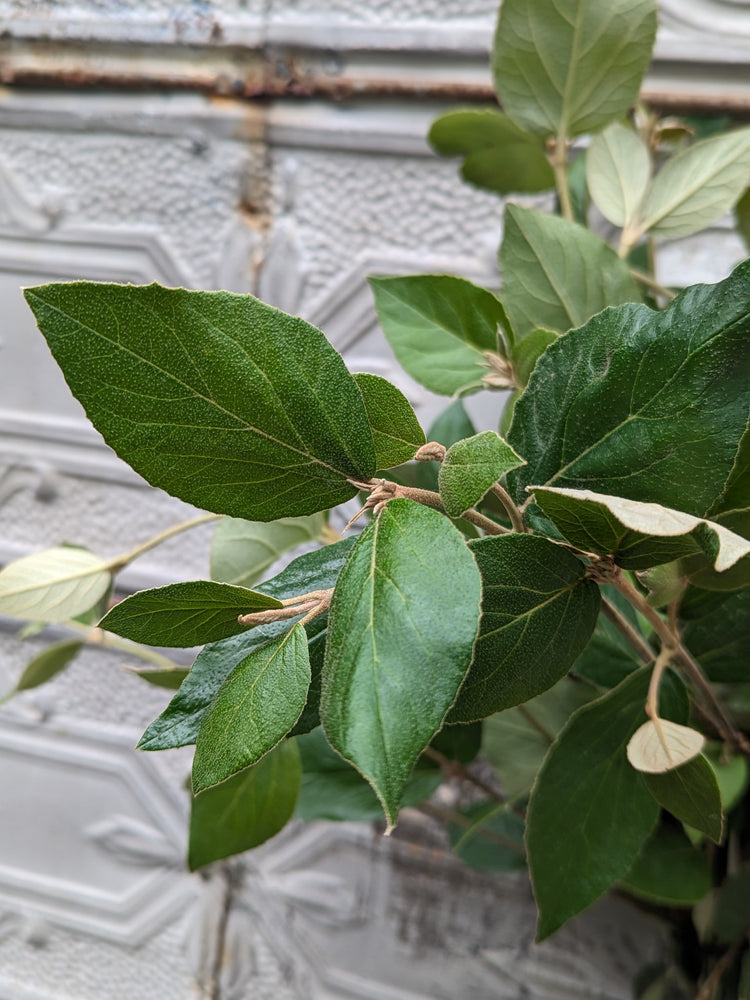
{"x": 452, "y": 425}
{"x": 171, "y": 679}
{"x": 332, "y": 789}
{"x": 439, "y": 328}
{"x": 720, "y": 641}
{"x": 732, "y": 772}
{"x": 52, "y": 661}
{"x": 53, "y": 585}
{"x": 498, "y": 155}
{"x": 219, "y": 399}
{"x": 641, "y": 404}
{"x": 669, "y": 870}
{"x": 400, "y": 640}
{"x": 742, "y": 217}
{"x": 556, "y": 274}
{"x": 538, "y": 613}
{"x": 698, "y": 185}
{"x": 691, "y": 793}
{"x": 246, "y": 810}
{"x": 185, "y": 614}
{"x": 609, "y": 657}
{"x": 491, "y": 840}
{"x": 638, "y": 535}
{"x": 180, "y": 721}
{"x": 730, "y": 917}
{"x": 525, "y": 354}
{"x": 516, "y": 741}
{"x": 618, "y": 171}
{"x": 460, "y": 743}
{"x": 565, "y": 67}
{"x": 395, "y": 429}
{"x": 254, "y": 709}
{"x": 241, "y": 551}
{"x": 590, "y": 811}
{"x": 471, "y": 467}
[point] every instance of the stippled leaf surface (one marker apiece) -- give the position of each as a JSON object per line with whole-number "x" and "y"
{"x": 254, "y": 709}
{"x": 471, "y": 467}
{"x": 400, "y": 639}
{"x": 219, "y": 399}
{"x": 180, "y": 721}
{"x": 439, "y": 328}
{"x": 185, "y": 614}
{"x": 396, "y": 433}
{"x": 644, "y": 405}
{"x": 538, "y": 613}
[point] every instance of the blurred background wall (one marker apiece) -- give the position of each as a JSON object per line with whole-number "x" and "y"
{"x": 272, "y": 146}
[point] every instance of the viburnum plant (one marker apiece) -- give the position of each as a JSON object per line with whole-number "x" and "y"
{"x": 570, "y": 595}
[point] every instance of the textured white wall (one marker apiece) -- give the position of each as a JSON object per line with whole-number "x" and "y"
{"x": 298, "y": 200}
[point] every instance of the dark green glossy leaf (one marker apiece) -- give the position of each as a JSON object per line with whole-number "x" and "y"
{"x": 217, "y": 398}
{"x": 461, "y": 743}
{"x": 490, "y": 840}
{"x": 721, "y": 641}
{"x": 246, "y": 810}
{"x": 556, "y": 274}
{"x": 178, "y": 724}
{"x": 395, "y": 429}
{"x": 185, "y": 614}
{"x": 400, "y": 641}
{"x": 691, "y": 793}
{"x": 52, "y": 661}
{"x": 516, "y": 741}
{"x": 565, "y": 67}
{"x": 471, "y": 467}
{"x": 538, "y": 613}
{"x": 611, "y": 406}
{"x": 241, "y": 551}
{"x": 439, "y": 328}
{"x": 590, "y": 811}
{"x": 609, "y": 657}
{"x": 332, "y": 789}
{"x": 669, "y": 870}
{"x": 254, "y": 709}
{"x": 638, "y": 535}
{"x": 730, "y": 911}
{"x": 498, "y": 155}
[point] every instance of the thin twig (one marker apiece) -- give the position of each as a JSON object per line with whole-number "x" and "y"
{"x": 454, "y": 769}
{"x": 225, "y": 873}
{"x": 559, "y": 161}
{"x": 458, "y": 819}
{"x": 515, "y": 515}
{"x": 652, "y": 284}
{"x": 634, "y": 637}
{"x": 708, "y": 990}
{"x": 119, "y": 562}
{"x": 723, "y": 723}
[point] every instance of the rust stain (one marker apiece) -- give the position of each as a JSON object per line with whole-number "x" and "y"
{"x": 237, "y": 74}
